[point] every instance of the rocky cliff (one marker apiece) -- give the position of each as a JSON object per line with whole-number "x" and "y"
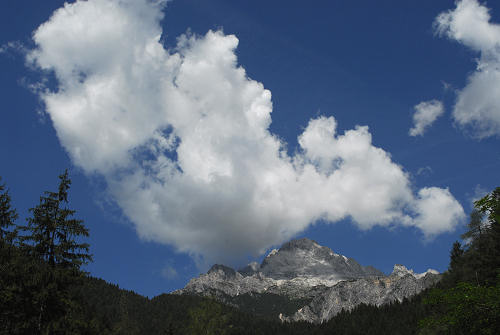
{"x": 402, "y": 283}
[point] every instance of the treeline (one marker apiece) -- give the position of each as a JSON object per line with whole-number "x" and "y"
{"x": 43, "y": 289}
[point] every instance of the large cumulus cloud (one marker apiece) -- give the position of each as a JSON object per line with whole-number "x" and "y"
{"x": 182, "y": 138}
{"x": 477, "y": 108}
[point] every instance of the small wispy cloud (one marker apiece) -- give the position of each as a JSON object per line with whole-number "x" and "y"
{"x": 13, "y": 47}
{"x": 169, "y": 272}
{"x": 426, "y": 170}
{"x": 426, "y": 113}
{"x": 447, "y": 86}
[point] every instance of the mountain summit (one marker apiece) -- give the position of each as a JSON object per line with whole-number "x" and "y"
{"x": 307, "y": 281}
{"x": 305, "y": 257}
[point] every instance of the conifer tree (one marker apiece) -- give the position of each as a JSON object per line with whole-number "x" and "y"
{"x": 51, "y": 239}
{"x": 8, "y": 216}
{"x": 9, "y": 260}
{"x": 54, "y": 233}
{"x": 456, "y": 269}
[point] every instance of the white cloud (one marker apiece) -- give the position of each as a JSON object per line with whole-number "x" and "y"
{"x": 182, "y": 138}
{"x": 426, "y": 113}
{"x": 438, "y": 211}
{"x": 478, "y": 104}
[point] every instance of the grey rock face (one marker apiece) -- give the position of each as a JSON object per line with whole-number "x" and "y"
{"x": 373, "y": 291}
{"x": 223, "y": 271}
{"x": 250, "y": 269}
{"x": 223, "y": 279}
{"x": 305, "y": 257}
{"x": 302, "y": 270}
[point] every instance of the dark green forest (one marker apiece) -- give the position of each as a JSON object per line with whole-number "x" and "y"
{"x": 43, "y": 289}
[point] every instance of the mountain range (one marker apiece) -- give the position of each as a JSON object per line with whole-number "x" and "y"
{"x": 303, "y": 280}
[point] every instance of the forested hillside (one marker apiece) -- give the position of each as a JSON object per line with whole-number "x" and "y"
{"x": 44, "y": 291}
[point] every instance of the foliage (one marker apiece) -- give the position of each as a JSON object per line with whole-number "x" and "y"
{"x": 41, "y": 266}
{"x": 266, "y": 305}
{"x": 8, "y": 216}
{"x": 208, "y": 318}
{"x": 52, "y": 232}
{"x": 468, "y": 300}
{"x": 464, "y": 309}
{"x": 11, "y": 261}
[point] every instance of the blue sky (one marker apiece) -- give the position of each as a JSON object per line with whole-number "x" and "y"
{"x": 180, "y": 159}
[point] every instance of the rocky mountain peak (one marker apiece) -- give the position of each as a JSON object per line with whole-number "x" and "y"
{"x": 222, "y": 270}
{"x": 302, "y": 243}
{"x": 401, "y": 271}
{"x": 305, "y": 257}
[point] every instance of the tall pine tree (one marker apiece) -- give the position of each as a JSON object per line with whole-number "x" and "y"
{"x": 53, "y": 233}
{"x": 10, "y": 308}
{"x": 8, "y": 216}
{"x": 52, "y": 240}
